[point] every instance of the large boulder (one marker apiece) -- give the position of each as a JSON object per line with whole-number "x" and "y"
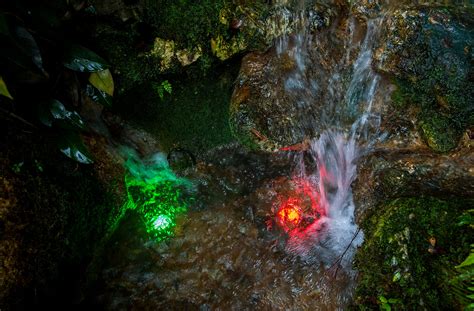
{"x": 279, "y": 94}
{"x": 392, "y": 172}
{"x": 408, "y": 257}
{"x": 429, "y": 53}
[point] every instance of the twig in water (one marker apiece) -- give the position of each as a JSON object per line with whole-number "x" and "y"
{"x": 339, "y": 259}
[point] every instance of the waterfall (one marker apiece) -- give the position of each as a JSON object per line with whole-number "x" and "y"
{"x": 334, "y": 237}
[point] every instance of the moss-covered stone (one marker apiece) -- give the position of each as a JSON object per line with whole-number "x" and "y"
{"x": 165, "y": 37}
{"x": 193, "y": 117}
{"x": 408, "y": 257}
{"x": 440, "y": 132}
{"x": 431, "y": 54}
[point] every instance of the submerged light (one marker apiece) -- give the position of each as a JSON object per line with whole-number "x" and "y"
{"x": 289, "y": 212}
{"x": 300, "y": 208}
{"x": 161, "y": 222}
{"x": 157, "y": 194}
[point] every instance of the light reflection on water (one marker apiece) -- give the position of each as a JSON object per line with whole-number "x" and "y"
{"x": 228, "y": 251}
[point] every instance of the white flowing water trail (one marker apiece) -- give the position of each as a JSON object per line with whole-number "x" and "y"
{"x": 335, "y": 237}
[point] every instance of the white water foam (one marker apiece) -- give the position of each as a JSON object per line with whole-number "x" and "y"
{"x": 333, "y": 239}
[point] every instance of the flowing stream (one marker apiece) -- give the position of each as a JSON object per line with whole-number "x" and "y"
{"x": 259, "y": 231}
{"x": 333, "y": 238}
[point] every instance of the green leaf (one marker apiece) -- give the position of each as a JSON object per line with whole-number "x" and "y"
{"x": 397, "y": 276}
{"x": 53, "y": 111}
{"x": 469, "y": 261}
{"x": 102, "y": 80}
{"x": 99, "y": 96}
{"x": 70, "y": 144}
{"x": 383, "y": 299}
{"x": 167, "y": 86}
{"x": 162, "y": 87}
{"x": 3, "y": 89}
{"x": 79, "y": 58}
{"x": 467, "y": 218}
{"x": 28, "y": 47}
{"x": 20, "y": 55}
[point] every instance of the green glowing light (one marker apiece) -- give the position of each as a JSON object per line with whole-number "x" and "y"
{"x": 161, "y": 222}
{"x": 157, "y": 194}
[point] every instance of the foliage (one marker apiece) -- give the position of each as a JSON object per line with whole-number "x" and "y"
{"x": 103, "y": 81}
{"x": 163, "y": 87}
{"x": 79, "y": 58}
{"x": 4, "y": 90}
{"x": 463, "y": 282}
{"x": 386, "y": 304}
{"x": 45, "y": 70}
{"x": 410, "y": 245}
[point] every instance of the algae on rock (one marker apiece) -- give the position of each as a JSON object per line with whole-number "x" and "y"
{"x": 430, "y": 52}
{"x": 411, "y": 248}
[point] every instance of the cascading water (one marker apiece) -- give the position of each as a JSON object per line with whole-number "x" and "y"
{"x": 220, "y": 253}
{"x": 333, "y": 238}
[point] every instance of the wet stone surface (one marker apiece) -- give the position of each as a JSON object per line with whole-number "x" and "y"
{"x": 228, "y": 252}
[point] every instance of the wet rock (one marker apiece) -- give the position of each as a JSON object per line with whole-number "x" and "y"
{"x": 165, "y": 51}
{"x": 410, "y": 172}
{"x": 429, "y": 52}
{"x": 395, "y": 260}
{"x": 367, "y": 8}
{"x": 219, "y": 258}
{"x": 274, "y": 104}
{"x": 181, "y": 159}
{"x": 225, "y": 49}
{"x": 187, "y": 57}
{"x": 125, "y": 134}
{"x": 168, "y": 54}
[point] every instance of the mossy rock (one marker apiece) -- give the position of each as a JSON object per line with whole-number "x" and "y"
{"x": 430, "y": 52}
{"x": 397, "y": 261}
{"x": 194, "y": 117}
{"x": 440, "y": 132}
{"x": 169, "y": 37}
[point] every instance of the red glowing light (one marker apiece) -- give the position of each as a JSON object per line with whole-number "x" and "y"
{"x": 289, "y": 213}
{"x": 300, "y": 209}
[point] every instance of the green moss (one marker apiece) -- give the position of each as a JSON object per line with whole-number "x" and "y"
{"x": 193, "y": 117}
{"x": 436, "y": 78}
{"x": 130, "y": 65}
{"x": 190, "y": 23}
{"x": 398, "y": 96}
{"x": 395, "y": 261}
{"x": 440, "y": 132}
